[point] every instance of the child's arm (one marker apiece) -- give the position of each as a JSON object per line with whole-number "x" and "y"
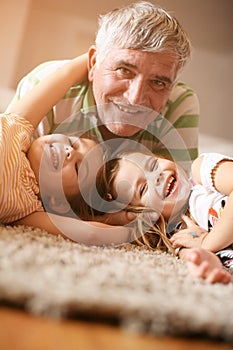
{"x": 89, "y": 233}
{"x": 222, "y": 234}
{"x": 40, "y": 100}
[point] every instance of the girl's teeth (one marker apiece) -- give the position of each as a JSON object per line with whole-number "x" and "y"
{"x": 54, "y": 156}
{"x": 171, "y": 186}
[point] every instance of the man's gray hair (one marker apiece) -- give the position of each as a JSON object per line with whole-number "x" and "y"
{"x": 143, "y": 26}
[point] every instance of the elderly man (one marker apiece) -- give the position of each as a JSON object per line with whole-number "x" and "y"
{"x": 132, "y": 90}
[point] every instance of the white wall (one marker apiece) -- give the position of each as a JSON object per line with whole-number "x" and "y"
{"x": 33, "y": 31}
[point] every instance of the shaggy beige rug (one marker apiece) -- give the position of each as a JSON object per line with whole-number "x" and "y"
{"x": 135, "y": 288}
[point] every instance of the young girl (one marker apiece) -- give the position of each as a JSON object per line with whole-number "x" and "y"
{"x": 47, "y": 173}
{"x": 136, "y": 181}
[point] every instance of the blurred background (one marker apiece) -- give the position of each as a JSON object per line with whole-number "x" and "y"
{"x": 34, "y": 31}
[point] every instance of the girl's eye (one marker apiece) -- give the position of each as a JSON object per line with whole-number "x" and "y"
{"x": 71, "y": 141}
{"x": 154, "y": 164}
{"x": 143, "y": 189}
{"x": 76, "y": 168}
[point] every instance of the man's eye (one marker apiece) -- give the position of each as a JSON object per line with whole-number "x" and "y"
{"x": 158, "y": 84}
{"x": 124, "y": 72}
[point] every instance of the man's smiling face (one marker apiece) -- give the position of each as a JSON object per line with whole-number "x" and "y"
{"x": 134, "y": 83}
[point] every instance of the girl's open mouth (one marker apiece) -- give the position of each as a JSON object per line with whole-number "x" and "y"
{"x": 171, "y": 186}
{"x": 54, "y": 156}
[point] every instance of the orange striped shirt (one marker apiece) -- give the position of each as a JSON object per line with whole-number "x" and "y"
{"x": 18, "y": 187}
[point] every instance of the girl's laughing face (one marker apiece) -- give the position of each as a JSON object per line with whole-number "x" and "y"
{"x": 147, "y": 181}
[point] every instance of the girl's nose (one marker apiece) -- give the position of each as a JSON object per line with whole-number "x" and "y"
{"x": 158, "y": 178}
{"x": 155, "y": 177}
{"x": 68, "y": 152}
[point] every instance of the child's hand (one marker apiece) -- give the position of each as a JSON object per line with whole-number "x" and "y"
{"x": 206, "y": 265}
{"x": 190, "y": 237}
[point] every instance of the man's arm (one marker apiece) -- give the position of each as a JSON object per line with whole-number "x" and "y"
{"x": 222, "y": 234}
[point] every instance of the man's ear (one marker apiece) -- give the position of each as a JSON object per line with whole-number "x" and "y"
{"x": 59, "y": 205}
{"x": 91, "y": 61}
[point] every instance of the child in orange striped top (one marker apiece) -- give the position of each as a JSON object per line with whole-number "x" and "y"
{"x": 43, "y": 177}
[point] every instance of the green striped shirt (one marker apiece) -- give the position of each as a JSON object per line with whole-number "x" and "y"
{"x": 173, "y": 133}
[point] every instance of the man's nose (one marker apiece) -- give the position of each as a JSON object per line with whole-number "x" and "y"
{"x": 136, "y": 92}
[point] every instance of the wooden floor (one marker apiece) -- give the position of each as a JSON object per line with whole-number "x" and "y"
{"x": 21, "y": 331}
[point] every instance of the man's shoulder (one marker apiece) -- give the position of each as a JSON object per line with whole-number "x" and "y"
{"x": 181, "y": 89}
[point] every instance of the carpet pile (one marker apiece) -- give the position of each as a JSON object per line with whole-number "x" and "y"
{"x": 142, "y": 290}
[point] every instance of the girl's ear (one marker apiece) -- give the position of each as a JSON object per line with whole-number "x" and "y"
{"x": 91, "y": 62}
{"x": 109, "y": 197}
{"x": 59, "y": 205}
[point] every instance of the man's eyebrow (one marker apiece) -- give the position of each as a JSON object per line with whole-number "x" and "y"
{"x": 126, "y": 63}
{"x": 163, "y": 78}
